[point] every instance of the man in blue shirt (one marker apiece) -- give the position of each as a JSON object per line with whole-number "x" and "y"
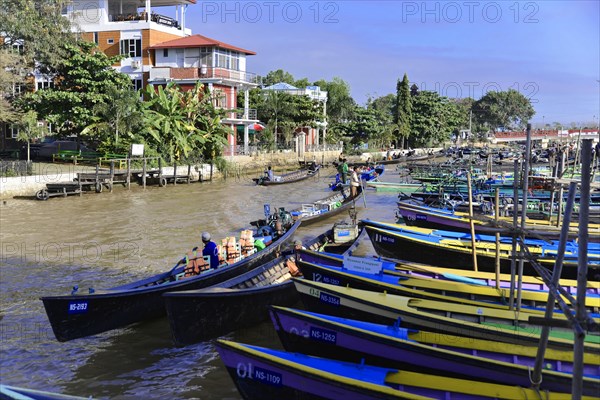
{"x": 210, "y": 249}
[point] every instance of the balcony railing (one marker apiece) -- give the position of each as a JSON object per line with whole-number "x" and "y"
{"x": 239, "y": 114}
{"x": 158, "y": 73}
{"x": 228, "y": 74}
{"x": 159, "y": 19}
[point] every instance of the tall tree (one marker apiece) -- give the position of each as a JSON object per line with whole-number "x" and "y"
{"x": 84, "y": 79}
{"x": 509, "y": 110}
{"x": 12, "y": 76}
{"x": 277, "y": 76}
{"x": 116, "y": 122}
{"x": 29, "y": 129}
{"x": 32, "y": 37}
{"x": 181, "y": 124}
{"x": 434, "y": 118}
{"x": 340, "y": 104}
{"x": 403, "y": 112}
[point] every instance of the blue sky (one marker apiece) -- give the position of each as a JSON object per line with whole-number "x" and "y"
{"x": 548, "y": 50}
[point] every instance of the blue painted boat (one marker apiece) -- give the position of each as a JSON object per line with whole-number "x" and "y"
{"x": 436, "y": 316}
{"x": 260, "y": 373}
{"x": 369, "y": 175}
{"x": 370, "y": 274}
{"x": 453, "y": 249}
{"x": 392, "y": 346}
{"x": 18, "y": 393}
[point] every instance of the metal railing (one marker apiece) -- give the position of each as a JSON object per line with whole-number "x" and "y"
{"x": 229, "y": 74}
{"x": 230, "y": 150}
{"x": 175, "y": 73}
{"x": 238, "y": 113}
{"x": 323, "y": 147}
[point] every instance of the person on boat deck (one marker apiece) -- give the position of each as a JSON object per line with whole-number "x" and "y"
{"x": 344, "y": 172}
{"x": 270, "y": 174}
{"x": 354, "y": 182}
{"x": 210, "y": 249}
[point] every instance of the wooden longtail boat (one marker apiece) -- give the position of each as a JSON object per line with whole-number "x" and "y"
{"x": 290, "y": 177}
{"x": 435, "y": 218}
{"x": 374, "y": 173}
{"x": 332, "y": 270}
{"x": 441, "y": 317}
{"x": 260, "y": 373}
{"x": 325, "y": 208}
{"x": 84, "y": 314}
{"x": 453, "y": 250}
{"x": 19, "y": 393}
{"x": 240, "y": 302}
{"x": 392, "y": 346}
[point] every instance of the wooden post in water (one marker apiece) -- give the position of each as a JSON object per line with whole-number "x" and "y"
{"x": 582, "y": 267}
{"x": 527, "y": 159}
{"x": 112, "y": 174}
{"x": 496, "y": 215}
{"x": 159, "y": 170}
{"x": 536, "y": 376}
{"x": 175, "y": 173}
{"x": 560, "y": 171}
{"x": 129, "y": 174}
{"x": 144, "y": 173}
{"x": 513, "y": 262}
{"x": 472, "y": 221}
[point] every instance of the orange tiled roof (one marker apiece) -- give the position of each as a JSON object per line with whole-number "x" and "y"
{"x": 198, "y": 41}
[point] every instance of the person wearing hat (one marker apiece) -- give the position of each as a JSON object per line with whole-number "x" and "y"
{"x": 211, "y": 250}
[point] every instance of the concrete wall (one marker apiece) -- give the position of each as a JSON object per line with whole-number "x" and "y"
{"x": 240, "y": 165}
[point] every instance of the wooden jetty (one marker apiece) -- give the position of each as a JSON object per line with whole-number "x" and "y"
{"x": 107, "y": 178}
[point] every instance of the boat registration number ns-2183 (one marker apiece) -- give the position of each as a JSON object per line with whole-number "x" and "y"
{"x": 78, "y": 307}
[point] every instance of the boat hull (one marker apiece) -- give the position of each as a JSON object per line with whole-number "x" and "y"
{"x": 81, "y": 315}
{"x": 382, "y": 308}
{"x": 200, "y": 316}
{"x": 392, "y": 347}
{"x": 398, "y": 246}
{"x": 196, "y": 315}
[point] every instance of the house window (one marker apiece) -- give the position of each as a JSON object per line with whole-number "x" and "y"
{"x": 219, "y": 98}
{"x": 192, "y": 57}
{"x": 165, "y": 53}
{"x": 206, "y": 56}
{"x": 110, "y": 41}
{"x": 49, "y": 84}
{"x": 18, "y": 89}
{"x": 222, "y": 59}
{"x": 11, "y": 132}
{"x": 137, "y": 84}
{"x": 235, "y": 61}
{"x": 18, "y": 48}
{"x": 96, "y": 38}
{"x": 131, "y": 47}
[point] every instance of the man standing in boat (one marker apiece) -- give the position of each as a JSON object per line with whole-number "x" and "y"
{"x": 354, "y": 182}
{"x": 211, "y": 250}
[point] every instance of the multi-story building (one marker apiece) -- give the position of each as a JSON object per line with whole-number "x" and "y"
{"x": 219, "y": 66}
{"x": 158, "y": 48}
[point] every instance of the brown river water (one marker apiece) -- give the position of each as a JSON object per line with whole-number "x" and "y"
{"x": 108, "y": 239}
